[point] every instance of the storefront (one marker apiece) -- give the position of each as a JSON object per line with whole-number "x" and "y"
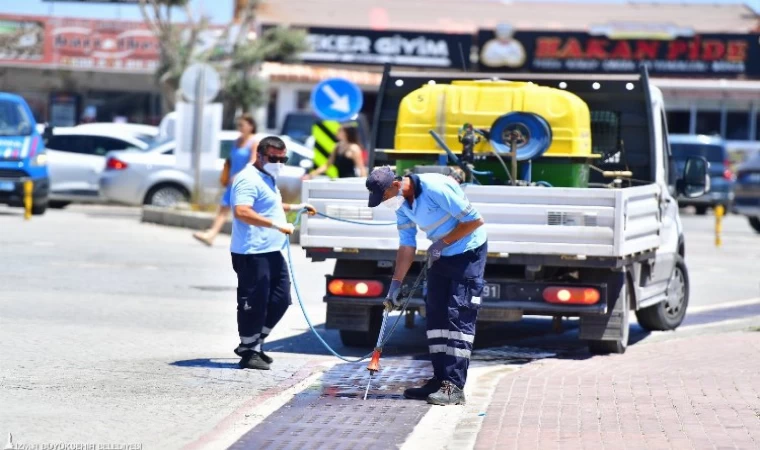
{"x": 79, "y": 70}
{"x": 359, "y": 55}
{"x": 707, "y": 79}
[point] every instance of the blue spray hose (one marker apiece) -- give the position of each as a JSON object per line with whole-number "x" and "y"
{"x": 303, "y": 308}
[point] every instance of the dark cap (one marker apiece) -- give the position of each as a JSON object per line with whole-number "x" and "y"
{"x": 378, "y": 181}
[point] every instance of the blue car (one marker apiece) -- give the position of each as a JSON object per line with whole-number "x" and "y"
{"x": 747, "y": 201}
{"x": 712, "y": 148}
{"x": 22, "y": 155}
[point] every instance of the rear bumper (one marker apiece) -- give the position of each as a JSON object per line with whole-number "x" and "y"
{"x": 15, "y": 196}
{"x": 525, "y": 298}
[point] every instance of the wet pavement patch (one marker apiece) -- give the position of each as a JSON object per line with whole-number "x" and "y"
{"x": 332, "y": 414}
{"x": 719, "y": 315}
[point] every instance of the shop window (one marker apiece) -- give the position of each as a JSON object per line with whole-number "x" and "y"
{"x": 303, "y": 100}
{"x": 737, "y": 125}
{"x": 272, "y": 110}
{"x": 708, "y": 122}
{"x": 679, "y": 121}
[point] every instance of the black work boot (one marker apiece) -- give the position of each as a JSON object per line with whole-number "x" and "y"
{"x": 267, "y": 359}
{"x": 241, "y": 350}
{"x": 421, "y": 393}
{"x": 253, "y": 360}
{"x": 449, "y": 394}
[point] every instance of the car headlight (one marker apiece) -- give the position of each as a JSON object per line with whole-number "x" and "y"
{"x": 39, "y": 160}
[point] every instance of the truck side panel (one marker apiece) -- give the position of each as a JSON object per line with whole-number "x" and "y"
{"x": 519, "y": 220}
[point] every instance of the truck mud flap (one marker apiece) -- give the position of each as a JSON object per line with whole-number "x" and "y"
{"x": 348, "y": 317}
{"x": 612, "y": 325}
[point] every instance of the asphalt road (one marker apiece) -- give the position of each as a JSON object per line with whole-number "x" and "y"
{"x": 117, "y": 331}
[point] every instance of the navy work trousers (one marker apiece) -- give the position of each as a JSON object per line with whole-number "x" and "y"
{"x": 454, "y": 289}
{"x": 263, "y": 295}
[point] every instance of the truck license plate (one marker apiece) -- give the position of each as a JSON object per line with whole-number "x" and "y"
{"x": 6, "y": 186}
{"x": 491, "y": 291}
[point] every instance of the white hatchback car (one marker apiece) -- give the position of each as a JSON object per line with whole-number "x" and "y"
{"x": 150, "y": 177}
{"x": 76, "y": 159}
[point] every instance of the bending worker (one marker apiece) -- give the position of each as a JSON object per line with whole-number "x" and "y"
{"x": 259, "y": 231}
{"x": 456, "y": 262}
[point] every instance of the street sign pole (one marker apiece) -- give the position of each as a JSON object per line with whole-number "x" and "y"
{"x": 200, "y": 87}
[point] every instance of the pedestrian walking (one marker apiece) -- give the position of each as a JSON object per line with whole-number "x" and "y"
{"x": 259, "y": 232}
{"x": 347, "y": 156}
{"x": 242, "y": 154}
{"x": 456, "y": 263}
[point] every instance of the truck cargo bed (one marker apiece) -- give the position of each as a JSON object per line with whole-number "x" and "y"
{"x": 520, "y": 220}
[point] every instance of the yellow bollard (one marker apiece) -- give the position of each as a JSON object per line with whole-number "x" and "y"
{"x": 28, "y": 185}
{"x": 719, "y": 212}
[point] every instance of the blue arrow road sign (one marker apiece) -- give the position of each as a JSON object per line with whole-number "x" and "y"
{"x": 336, "y": 99}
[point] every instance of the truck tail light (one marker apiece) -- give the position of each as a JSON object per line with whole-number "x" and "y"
{"x": 355, "y": 288}
{"x": 727, "y": 173}
{"x": 571, "y": 295}
{"x": 115, "y": 164}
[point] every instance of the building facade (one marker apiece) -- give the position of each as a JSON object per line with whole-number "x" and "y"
{"x": 705, "y": 58}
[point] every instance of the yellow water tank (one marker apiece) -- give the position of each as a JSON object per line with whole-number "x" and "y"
{"x": 444, "y": 108}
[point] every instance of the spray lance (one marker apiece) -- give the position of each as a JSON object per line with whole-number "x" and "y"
{"x": 374, "y": 362}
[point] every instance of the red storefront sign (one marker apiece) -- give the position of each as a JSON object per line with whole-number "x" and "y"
{"x": 78, "y": 43}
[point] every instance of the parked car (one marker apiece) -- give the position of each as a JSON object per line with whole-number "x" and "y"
{"x": 150, "y": 177}
{"x": 76, "y": 158}
{"x": 747, "y": 190}
{"x": 22, "y": 155}
{"x": 146, "y": 133}
{"x": 683, "y": 146}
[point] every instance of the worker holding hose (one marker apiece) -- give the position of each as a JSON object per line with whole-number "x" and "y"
{"x": 456, "y": 263}
{"x": 259, "y": 231}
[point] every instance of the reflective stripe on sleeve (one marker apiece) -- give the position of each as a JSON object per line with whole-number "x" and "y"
{"x": 464, "y": 212}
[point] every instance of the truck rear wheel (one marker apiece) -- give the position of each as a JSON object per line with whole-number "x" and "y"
{"x": 368, "y": 339}
{"x": 669, "y": 314}
{"x": 614, "y": 326}
{"x": 754, "y": 222}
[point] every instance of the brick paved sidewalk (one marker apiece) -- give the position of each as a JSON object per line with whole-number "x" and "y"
{"x": 696, "y": 393}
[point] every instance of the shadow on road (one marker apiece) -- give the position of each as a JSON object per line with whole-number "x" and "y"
{"x": 208, "y": 363}
{"x": 531, "y": 334}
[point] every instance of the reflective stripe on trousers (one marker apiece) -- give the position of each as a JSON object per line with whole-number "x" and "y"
{"x": 453, "y": 281}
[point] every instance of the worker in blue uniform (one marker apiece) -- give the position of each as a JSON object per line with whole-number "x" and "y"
{"x": 456, "y": 263}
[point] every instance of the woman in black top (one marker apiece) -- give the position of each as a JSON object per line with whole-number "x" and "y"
{"x": 347, "y": 156}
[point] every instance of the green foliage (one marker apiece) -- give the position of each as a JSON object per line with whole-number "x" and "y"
{"x": 237, "y": 65}
{"x": 244, "y": 91}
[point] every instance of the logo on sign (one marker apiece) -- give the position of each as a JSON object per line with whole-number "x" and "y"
{"x": 504, "y": 50}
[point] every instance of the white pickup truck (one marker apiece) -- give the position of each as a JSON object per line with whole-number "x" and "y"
{"x": 622, "y": 241}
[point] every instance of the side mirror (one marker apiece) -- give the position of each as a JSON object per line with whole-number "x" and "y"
{"x": 695, "y": 180}
{"x": 48, "y": 133}
{"x": 306, "y": 164}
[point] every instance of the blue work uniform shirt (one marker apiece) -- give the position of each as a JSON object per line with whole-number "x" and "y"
{"x": 439, "y": 205}
{"x": 258, "y": 190}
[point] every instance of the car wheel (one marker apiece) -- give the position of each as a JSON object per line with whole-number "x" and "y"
{"x": 701, "y": 210}
{"x": 166, "y": 195}
{"x": 754, "y": 222}
{"x": 669, "y": 314}
{"x": 55, "y": 204}
{"x": 38, "y": 209}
